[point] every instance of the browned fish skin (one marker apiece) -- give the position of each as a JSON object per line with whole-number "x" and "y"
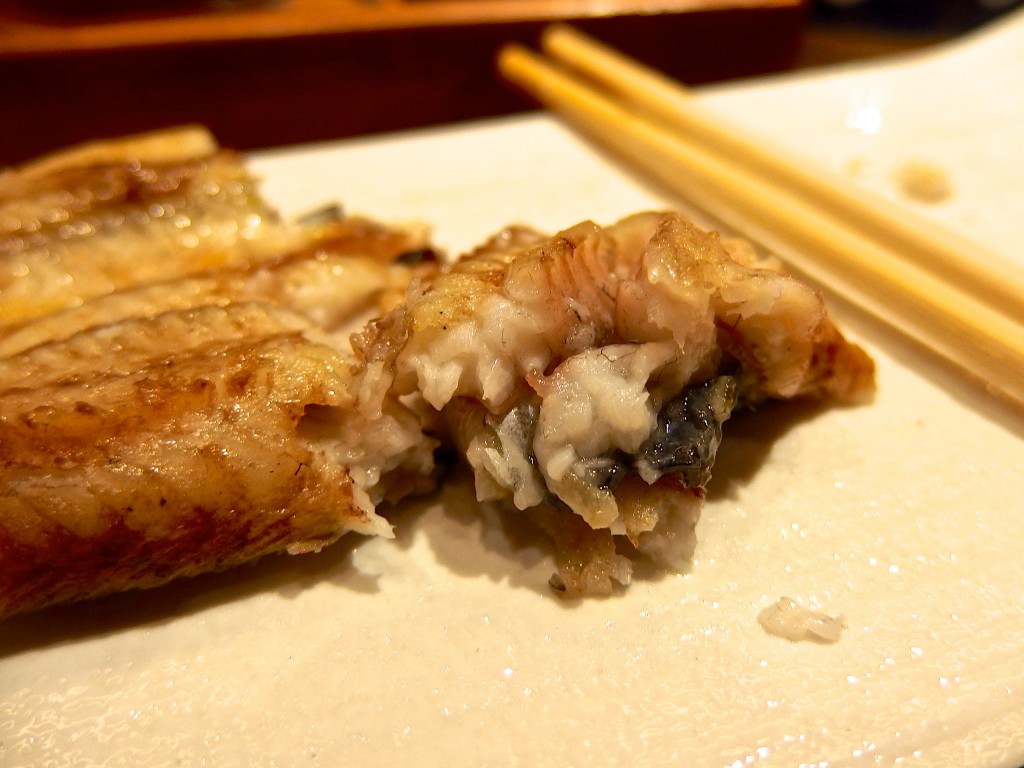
{"x": 174, "y": 378}
{"x": 173, "y": 464}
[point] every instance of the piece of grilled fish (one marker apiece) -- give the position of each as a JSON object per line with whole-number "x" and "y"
{"x": 586, "y": 376}
{"x": 89, "y": 221}
{"x": 174, "y": 379}
{"x": 349, "y": 272}
{"x": 167, "y": 446}
{"x": 178, "y": 392}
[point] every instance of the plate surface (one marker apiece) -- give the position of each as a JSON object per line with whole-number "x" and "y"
{"x": 446, "y": 647}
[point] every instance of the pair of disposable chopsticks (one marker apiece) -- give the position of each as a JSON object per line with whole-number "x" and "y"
{"x": 947, "y": 292}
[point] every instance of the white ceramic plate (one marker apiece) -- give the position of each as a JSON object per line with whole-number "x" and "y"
{"x": 446, "y": 647}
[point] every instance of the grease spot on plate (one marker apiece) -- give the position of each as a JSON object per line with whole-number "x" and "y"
{"x": 924, "y": 181}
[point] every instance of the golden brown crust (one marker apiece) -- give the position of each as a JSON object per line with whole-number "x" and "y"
{"x": 166, "y": 341}
{"x": 173, "y": 465}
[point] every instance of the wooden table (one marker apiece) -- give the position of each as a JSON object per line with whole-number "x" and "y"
{"x": 262, "y": 74}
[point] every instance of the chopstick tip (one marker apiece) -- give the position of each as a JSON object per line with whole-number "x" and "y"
{"x": 510, "y": 58}
{"x": 553, "y": 33}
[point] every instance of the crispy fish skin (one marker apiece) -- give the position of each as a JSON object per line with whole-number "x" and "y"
{"x": 175, "y": 371}
{"x": 175, "y": 459}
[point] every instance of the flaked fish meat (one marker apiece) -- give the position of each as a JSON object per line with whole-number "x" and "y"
{"x": 586, "y": 377}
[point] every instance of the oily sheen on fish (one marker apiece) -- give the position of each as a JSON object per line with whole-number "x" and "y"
{"x": 182, "y": 453}
{"x": 90, "y": 221}
{"x": 347, "y": 274}
{"x": 174, "y": 371}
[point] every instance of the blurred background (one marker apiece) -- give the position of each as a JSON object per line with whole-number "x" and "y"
{"x": 265, "y": 73}
{"x": 841, "y": 30}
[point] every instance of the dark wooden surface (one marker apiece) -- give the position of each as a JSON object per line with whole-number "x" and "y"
{"x": 295, "y": 71}
{"x": 57, "y": 26}
{"x": 265, "y": 73}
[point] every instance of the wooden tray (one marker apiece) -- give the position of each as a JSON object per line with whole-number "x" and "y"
{"x": 264, "y": 74}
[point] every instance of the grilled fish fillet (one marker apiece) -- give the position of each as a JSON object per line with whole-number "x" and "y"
{"x": 179, "y": 390}
{"x": 174, "y": 372}
{"x": 87, "y": 222}
{"x": 347, "y": 274}
{"x": 183, "y": 451}
{"x": 586, "y": 376}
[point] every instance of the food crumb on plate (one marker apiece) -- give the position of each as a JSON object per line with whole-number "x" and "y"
{"x": 788, "y": 619}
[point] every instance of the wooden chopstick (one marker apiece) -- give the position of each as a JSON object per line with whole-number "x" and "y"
{"x": 980, "y": 272}
{"x": 928, "y": 306}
